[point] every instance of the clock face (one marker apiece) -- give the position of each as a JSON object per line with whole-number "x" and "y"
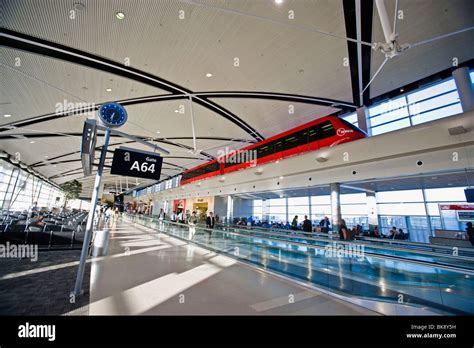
{"x": 113, "y": 114}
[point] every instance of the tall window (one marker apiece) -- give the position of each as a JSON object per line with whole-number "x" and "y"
{"x": 277, "y": 210}
{"x": 257, "y": 209}
{"x": 19, "y": 189}
{"x": 437, "y": 100}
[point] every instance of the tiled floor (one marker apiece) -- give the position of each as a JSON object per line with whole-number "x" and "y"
{"x": 149, "y": 273}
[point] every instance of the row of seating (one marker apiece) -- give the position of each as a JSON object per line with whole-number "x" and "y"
{"x": 65, "y": 230}
{"x": 44, "y": 239}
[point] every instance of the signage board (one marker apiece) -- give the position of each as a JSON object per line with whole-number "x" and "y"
{"x": 465, "y": 215}
{"x": 136, "y": 163}
{"x": 89, "y": 137}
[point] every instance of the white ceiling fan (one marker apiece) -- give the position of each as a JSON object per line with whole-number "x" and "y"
{"x": 392, "y": 48}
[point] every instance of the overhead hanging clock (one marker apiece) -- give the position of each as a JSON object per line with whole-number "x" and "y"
{"x": 113, "y": 115}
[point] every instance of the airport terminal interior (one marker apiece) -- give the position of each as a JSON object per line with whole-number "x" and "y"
{"x": 244, "y": 157}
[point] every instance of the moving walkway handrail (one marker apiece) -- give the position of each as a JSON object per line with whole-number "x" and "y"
{"x": 379, "y": 240}
{"x": 422, "y": 252}
{"x": 457, "y": 269}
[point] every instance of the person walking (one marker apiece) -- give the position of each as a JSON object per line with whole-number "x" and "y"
{"x": 192, "y": 221}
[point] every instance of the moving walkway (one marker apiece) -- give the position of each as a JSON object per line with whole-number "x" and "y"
{"x": 437, "y": 283}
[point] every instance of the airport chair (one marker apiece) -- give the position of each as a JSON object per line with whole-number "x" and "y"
{"x": 61, "y": 239}
{"x": 16, "y": 234}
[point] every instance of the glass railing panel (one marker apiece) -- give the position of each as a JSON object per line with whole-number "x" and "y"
{"x": 352, "y": 272}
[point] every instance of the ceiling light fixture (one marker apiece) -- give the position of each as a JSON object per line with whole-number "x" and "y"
{"x": 278, "y": 2}
{"x": 321, "y": 159}
{"x": 158, "y": 132}
{"x": 208, "y": 75}
{"x": 7, "y": 115}
{"x": 32, "y": 142}
{"x": 79, "y": 7}
{"x": 109, "y": 89}
{"x": 120, "y": 15}
{"x": 176, "y": 111}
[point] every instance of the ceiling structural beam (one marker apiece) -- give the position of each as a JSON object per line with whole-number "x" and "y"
{"x": 294, "y": 98}
{"x": 297, "y": 98}
{"x": 359, "y": 49}
{"x": 136, "y": 139}
{"x": 192, "y": 124}
{"x": 358, "y": 20}
{"x": 49, "y": 163}
{"x": 79, "y": 135}
{"x": 121, "y": 143}
{"x": 355, "y": 188}
{"x": 32, "y": 44}
{"x": 384, "y": 20}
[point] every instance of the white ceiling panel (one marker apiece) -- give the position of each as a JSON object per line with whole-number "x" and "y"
{"x": 42, "y": 85}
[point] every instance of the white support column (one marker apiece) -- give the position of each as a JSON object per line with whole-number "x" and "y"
{"x": 335, "y": 206}
{"x": 373, "y": 216}
{"x": 363, "y": 119}
{"x": 464, "y": 87}
{"x": 230, "y": 209}
{"x": 265, "y": 211}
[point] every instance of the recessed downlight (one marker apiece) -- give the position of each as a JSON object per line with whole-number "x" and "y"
{"x": 208, "y": 75}
{"x": 32, "y": 142}
{"x": 7, "y": 115}
{"x": 109, "y": 89}
{"x": 278, "y": 2}
{"x": 79, "y": 7}
{"x": 158, "y": 132}
{"x": 120, "y": 15}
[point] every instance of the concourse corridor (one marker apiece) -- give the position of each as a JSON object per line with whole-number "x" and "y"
{"x": 149, "y": 273}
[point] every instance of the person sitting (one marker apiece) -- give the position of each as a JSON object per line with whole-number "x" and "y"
{"x": 376, "y": 232}
{"x": 324, "y": 224}
{"x": 36, "y": 224}
{"x": 392, "y": 233}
